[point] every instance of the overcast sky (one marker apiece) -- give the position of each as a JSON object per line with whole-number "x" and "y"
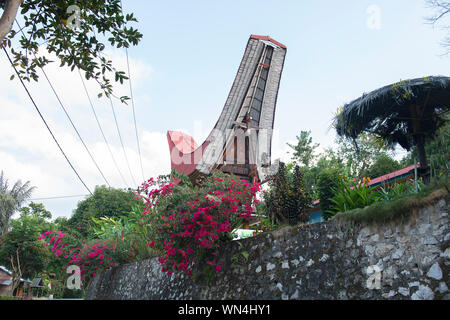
{"x": 182, "y": 72}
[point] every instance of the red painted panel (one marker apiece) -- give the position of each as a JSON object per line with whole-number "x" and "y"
{"x": 184, "y": 152}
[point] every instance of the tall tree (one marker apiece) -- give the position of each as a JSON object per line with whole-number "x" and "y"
{"x": 287, "y": 199}
{"x": 105, "y": 202}
{"x": 359, "y": 154}
{"x": 328, "y": 159}
{"x": 304, "y": 149}
{"x": 75, "y": 31}
{"x": 11, "y": 200}
{"x": 328, "y": 181}
{"x": 382, "y": 165}
{"x": 21, "y": 250}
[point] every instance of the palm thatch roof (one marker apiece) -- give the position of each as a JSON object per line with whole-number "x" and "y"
{"x": 393, "y": 112}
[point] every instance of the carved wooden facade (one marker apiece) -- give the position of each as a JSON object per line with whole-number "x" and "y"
{"x": 241, "y": 141}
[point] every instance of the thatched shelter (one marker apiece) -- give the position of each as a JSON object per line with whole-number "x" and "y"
{"x": 408, "y": 113}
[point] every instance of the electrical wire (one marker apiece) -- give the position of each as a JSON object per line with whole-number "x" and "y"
{"x": 133, "y": 106}
{"x": 45, "y": 122}
{"x": 134, "y": 115}
{"x": 121, "y": 141}
{"x": 101, "y": 130}
{"x": 61, "y": 197}
{"x": 68, "y": 116}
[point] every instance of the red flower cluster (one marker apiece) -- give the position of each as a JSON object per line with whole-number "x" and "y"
{"x": 196, "y": 226}
{"x": 91, "y": 258}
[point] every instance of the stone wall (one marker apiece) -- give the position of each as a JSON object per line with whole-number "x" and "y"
{"x": 318, "y": 261}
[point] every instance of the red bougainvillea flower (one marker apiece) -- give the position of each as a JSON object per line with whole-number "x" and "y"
{"x": 195, "y": 231}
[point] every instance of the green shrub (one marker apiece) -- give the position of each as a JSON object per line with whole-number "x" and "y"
{"x": 399, "y": 189}
{"x": 398, "y": 210}
{"x": 362, "y": 203}
{"x": 287, "y": 198}
{"x": 190, "y": 224}
{"x": 356, "y": 195}
{"x": 328, "y": 181}
{"x": 129, "y": 233}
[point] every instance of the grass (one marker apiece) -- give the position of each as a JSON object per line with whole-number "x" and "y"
{"x": 8, "y": 298}
{"x": 398, "y": 210}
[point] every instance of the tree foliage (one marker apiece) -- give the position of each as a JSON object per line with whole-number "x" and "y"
{"x": 358, "y": 154}
{"x": 105, "y": 202}
{"x": 304, "y": 149}
{"x": 11, "y": 200}
{"x": 382, "y": 165}
{"x": 329, "y": 180}
{"x": 348, "y": 158}
{"x": 287, "y": 199}
{"x": 76, "y": 32}
{"x": 23, "y": 241}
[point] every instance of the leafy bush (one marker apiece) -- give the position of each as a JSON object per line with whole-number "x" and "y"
{"x": 328, "y": 182}
{"x": 355, "y": 195}
{"x": 382, "y": 165}
{"x": 287, "y": 198}
{"x": 105, "y": 202}
{"x": 190, "y": 224}
{"x": 180, "y": 223}
{"x": 399, "y": 189}
{"x": 129, "y": 233}
{"x": 91, "y": 256}
{"x": 360, "y": 195}
{"x": 397, "y": 210}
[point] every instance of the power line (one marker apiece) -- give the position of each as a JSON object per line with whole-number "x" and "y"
{"x": 45, "y": 122}
{"x": 117, "y": 126}
{"x": 134, "y": 115}
{"x": 70, "y": 119}
{"x": 74, "y": 127}
{"x": 61, "y": 197}
{"x": 101, "y": 130}
{"x": 74, "y": 196}
{"x": 121, "y": 141}
{"x": 133, "y": 106}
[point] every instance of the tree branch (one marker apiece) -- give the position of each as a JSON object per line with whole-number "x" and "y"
{"x": 8, "y": 16}
{"x": 442, "y": 8}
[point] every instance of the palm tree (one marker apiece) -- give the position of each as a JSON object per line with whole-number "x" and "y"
{"x": 408, "y": 113}
{"x": 11, "y": 200}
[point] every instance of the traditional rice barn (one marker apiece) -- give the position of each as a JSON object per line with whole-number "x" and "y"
{"x": 240, "y": 142}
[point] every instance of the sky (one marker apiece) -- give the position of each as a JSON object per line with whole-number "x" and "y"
{"x": 182, "y": 72}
